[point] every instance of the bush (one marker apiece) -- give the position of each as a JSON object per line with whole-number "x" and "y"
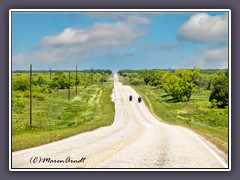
{"x": 26, "y": 93}
{"x": 19, "y": 105}
{"x": 136, "y": 81}
{"x": 20, "y": 83}
{"x": 60, "y": 81}
{"x": 39, "y": 96}
{"x": 18, "y": 94}
{"x": 45, "y": 89}
{"x": 39, "y": 80}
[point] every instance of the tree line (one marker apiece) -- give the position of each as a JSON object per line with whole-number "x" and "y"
{"x": 59, "y": 80}
{"x": 43, "y": 83}
{"x": 180, "y": 83}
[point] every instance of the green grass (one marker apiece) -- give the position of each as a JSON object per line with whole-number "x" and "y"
{"x": 196, "y": 114}
{"x": 56, "y": 118}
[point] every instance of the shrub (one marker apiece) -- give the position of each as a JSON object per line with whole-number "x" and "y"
{"x": 39, "y": 96}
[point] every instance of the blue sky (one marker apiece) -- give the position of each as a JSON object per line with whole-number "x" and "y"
{"x": 119, "y": 40}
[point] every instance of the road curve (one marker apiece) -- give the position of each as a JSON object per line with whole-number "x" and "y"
{"x": 136, "y": 139}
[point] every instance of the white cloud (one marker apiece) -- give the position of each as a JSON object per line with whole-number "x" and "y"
{"x": 215, "y": 57}
{"x": 202, "y": 27}
{"x": 99, "y": 35}
{"x": 136, "y": 19}
{"x": 68, "y": 36}
{"x": 40, "y": 58}
{"x": 73, "y": 43}
{"x": 127, "y": 17}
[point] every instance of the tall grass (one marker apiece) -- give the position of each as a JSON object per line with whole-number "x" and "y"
{"x": 56, "y": 118}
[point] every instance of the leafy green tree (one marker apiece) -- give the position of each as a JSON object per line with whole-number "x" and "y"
{"x": 195, "y": 75}
{"x": 109, "y": 72}
{"x": 21, "y": 82}
{"x": 146, "y": 75}
{"x": 87, "y": 79}
{"x": 189, "y": 81}
{"x": 97, "y": 77}
{"x": 179, "y": 84}
{"x": 219, "y": 92}
{"x": 172, "y": 85}
{"x": 40, "y": 80}
{"x": 203, "y": 81}
{"x": 156, "y": 78}
{"x": 60, "y": 80}
{"x": 137, "y": 81}
{"x": 210, "y": 80}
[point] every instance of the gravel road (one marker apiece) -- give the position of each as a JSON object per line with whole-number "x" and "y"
{"x": 136, "y": 139}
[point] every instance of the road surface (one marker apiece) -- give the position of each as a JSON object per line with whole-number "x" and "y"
{"x": 136, "y": 139}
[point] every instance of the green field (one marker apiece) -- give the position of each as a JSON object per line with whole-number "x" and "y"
{"x": 55, "y": 118}
{"x": 196, "y": 114}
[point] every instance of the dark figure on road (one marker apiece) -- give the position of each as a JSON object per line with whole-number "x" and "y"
{"x": 130, "y": 98}
{"x": 139, "y": 99}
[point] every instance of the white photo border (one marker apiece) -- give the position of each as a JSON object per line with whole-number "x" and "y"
{"x": 118, "y": 10}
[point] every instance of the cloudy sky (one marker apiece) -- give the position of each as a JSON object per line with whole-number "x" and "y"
{"x": 119, "y": 40}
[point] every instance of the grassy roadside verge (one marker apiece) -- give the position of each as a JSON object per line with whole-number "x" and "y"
{"x": 57, "y": 118}
{"x": 195, "y": 114}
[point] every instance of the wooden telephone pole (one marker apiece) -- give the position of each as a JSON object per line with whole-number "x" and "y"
{"x": 30, "y": 95}
{"x": 91, "y": 76}
{"x": 76, "y": 80}
{"x": 69, "y": 86}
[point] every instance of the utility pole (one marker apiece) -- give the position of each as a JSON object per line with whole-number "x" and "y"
{"x": 91, "y": 76}
{"x": 85, "y": 79}
{"x": 50, "y": 73}
{"x": 76, "y": 80}
{"x": 69, "y": 86}
{"x": 30, "y": 95}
